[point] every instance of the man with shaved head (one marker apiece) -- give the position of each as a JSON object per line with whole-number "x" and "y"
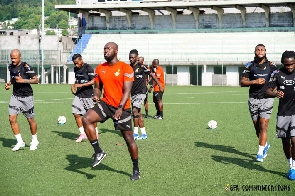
{"x": 115, "y": 78}
{"x": 22, "y": 76}
{"x": 158, "y": 87}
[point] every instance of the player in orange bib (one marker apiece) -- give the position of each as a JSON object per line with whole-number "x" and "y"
{"x": 158, "y": 72}
{"x": 115, "y": 78}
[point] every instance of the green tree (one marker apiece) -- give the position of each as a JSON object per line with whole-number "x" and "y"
{"x": 29, "y": 12}
{"x": 51, "y": 21}
{"x": 65, "y": 32}
{"x": 50, "y": 32}
{"x": 63, "y": 24}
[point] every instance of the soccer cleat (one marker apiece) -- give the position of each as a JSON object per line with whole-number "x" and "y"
{"x": 135, "y": 175}
{"x": 34, "y": 145}
{"x": 259, "y": 158}
{"x": 291, "y": 174}
{"x": 18, "y": 146}
{"x": 265, "y": 150}
{"x": 98, "y": 157}
{"x": 135, "y": 136}
{"x": 142, "y": 137}
{"x": 146, "y": 116}
{"x": 81, "y": 137}
{"x": 159, "y": 117}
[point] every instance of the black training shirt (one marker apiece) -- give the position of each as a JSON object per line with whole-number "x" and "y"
{"x": 254, "y": 71}
{"x": 285, "y": 82}
{"x": 139, "y": 83}
{"x": 83, "y": 75}
{"x": 26, "y": 72}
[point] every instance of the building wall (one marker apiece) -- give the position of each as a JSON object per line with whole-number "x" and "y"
{"x": 232, "y": 75}
{"x": 183, "y": 75}
{"x": 28, "y": 42}
{"x": 231, "y": 20}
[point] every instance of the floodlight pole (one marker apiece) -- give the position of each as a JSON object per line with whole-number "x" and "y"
{"x": 42, "y": 52}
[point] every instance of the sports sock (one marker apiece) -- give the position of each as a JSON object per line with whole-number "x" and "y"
{"x": 158, "y": 112}
{"x": 161, "y": 113}
{"x": 96, "y": 130}
{"x": 265, "y": 144}
{"x": 135, "y": 164}
{"x": 260, "y": 150}
{"x": 135, "y": 130}
{"x": 142, "y": 130}
{"x": 157, "y": 107}
{"x": 34, "y": 138}
{"x": 146, "y": 112}
{"x": 293, "y": 164}
{"x": 95, "y": 146}
{"x": 19, "y": 138}
{"x": 81, "y": 129}
{"x": 290, "y": 162}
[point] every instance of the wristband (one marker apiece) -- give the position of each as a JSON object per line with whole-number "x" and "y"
{"x": 120, "y": 106}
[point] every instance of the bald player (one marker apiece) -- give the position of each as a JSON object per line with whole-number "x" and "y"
{"x": 22, "y": 75}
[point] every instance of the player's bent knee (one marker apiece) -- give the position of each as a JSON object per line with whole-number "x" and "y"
{"x": 86, "y": 120}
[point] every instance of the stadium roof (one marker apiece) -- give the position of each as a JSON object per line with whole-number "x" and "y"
{"x": 164, "y": 4}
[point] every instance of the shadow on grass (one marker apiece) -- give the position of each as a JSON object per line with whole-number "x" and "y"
{"x": 229, "y": 149}
{"x": 74, "y": 136}
{"x": 77, "y": 163}
{"x": 249, "y": 162}
{"x": 7, "y": 142}
{"x": 102, "y": 131}
{"x": 67, "y": 135}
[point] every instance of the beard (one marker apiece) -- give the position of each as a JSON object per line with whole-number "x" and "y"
{"x": 260, "y": 58}
{"x": 108, "y": 58}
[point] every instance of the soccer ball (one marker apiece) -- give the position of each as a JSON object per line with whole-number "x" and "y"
{"x": 61, "y": 120}
{"x": 212, "y": 124}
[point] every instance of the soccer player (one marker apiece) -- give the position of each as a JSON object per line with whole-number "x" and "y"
{"x": 147, "y": 79}
{"x": 22, "y": 76}
{"x": 256, "y": 76}
{"x": 138, "y": 94}
{"x": 284, "y": 84}
{"x": 83, "y": 91}
{"x": 115, "y": 78}
{"x": 158, "y": 72}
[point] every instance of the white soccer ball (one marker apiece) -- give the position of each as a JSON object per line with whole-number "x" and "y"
{"x": 61, "y": 120}
{"x": 212, "y": 124}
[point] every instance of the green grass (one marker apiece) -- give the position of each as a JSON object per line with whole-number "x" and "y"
{"x": 180, "y": 157}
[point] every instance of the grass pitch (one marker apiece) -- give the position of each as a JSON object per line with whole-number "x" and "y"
{"x": 180, "y": 157}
